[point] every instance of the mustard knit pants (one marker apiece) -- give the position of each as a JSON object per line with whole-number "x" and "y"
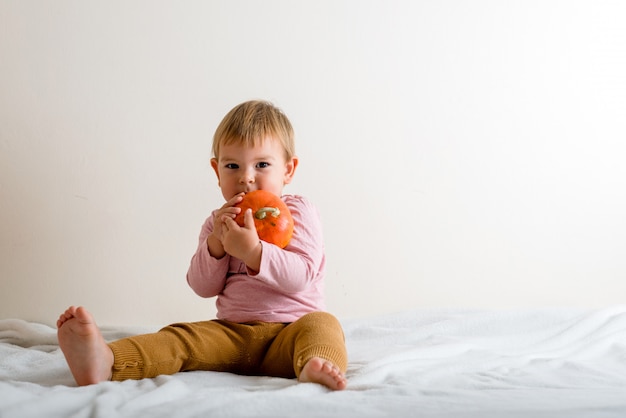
{"x": 252, "y": 348}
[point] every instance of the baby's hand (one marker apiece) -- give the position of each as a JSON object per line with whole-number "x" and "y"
{"x": 242, "y": 241}
{"x": 214, "y": 240}
{"x": 228, "y": 210}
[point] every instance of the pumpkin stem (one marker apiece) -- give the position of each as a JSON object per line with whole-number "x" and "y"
{"x": 262, "y": 213}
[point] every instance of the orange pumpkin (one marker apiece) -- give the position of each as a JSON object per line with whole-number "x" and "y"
{"x": 272, "y": 218}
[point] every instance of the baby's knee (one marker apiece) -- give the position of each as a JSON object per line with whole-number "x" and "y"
{"x": 319, "y": 317}
{"x": 323, "y": 322}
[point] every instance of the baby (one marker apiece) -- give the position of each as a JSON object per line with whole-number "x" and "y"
{"x": 270, "y": 308}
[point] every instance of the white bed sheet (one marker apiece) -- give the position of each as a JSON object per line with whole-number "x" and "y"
{"x": 427, "y": 363}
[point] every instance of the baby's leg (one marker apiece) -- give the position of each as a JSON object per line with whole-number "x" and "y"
{"x": 206, "y": 345}
{"x": 318, "y": 370}
{"x": 311, "y": 349}
{"x": 88, "y": 355}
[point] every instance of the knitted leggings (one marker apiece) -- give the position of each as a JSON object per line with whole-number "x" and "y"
{"x": 252, "y": 348}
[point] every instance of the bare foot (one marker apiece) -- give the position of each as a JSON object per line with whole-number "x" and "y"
{"x": 318, "y": 370}
{"x": 89, "y": 357}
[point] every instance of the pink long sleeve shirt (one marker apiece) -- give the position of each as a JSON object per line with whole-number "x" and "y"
{"x": 288, "y": 285}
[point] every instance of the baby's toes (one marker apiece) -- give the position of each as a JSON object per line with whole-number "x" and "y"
{"x": 327, "y": 367}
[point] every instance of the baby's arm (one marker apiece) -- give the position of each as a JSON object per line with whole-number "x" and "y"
{"x": 209, "y": 265}
{"x": 301, "y": 264}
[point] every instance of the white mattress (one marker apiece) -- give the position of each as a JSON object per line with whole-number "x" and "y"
{"x": 446, "y": 363}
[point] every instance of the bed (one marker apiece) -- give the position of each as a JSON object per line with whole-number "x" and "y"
{"x": 553, "y": 362}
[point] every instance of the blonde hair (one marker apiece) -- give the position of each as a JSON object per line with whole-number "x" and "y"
{"x": 250, "y": 123}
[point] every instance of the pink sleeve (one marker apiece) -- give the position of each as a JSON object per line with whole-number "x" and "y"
{"x": 300, "y": 264}
{"x": 206, "y": 274}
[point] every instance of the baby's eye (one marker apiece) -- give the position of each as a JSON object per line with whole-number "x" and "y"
{"x": 263, "y": 164}
{"x": 232, "y": 166}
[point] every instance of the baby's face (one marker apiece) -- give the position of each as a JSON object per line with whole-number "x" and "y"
{"x": 262, "y": 167}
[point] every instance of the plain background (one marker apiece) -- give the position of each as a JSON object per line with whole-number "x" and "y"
{"x": 461, "y": 153}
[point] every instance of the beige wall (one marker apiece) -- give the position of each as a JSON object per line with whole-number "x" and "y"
{"x": 466, "y": 154}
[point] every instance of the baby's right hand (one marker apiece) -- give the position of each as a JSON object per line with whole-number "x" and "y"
{"x": 214, "y": 240}
{"x": 228, "y": 209}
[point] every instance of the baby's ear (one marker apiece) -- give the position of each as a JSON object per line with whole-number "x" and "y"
{"x": 215, "y": 168}
{"x": 290, "y": 169}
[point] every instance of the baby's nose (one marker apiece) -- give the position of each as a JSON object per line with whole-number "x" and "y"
{"x": 247, "y": 178}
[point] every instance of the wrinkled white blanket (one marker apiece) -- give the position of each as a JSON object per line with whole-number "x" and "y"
{"x": 442, "y": 363}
